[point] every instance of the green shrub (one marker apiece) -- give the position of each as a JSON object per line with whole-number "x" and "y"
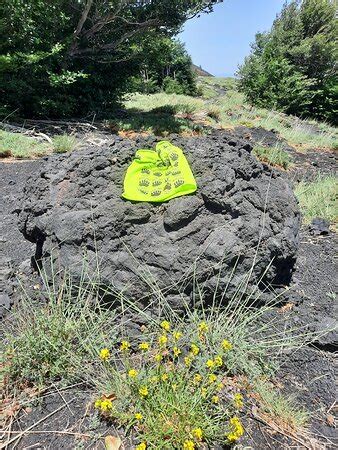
{"x": 292, "y": 67}
{"x": 274, "y": 156}
{"x": 64, "y": 143}
{"x": 318, "y": 198}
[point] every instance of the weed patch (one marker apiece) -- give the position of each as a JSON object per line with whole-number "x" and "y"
{"x": 20, "y": 146}
{"x": 275, "y": 156}
{"x": 318, "y": 198}
{"x": 64, "y": 143}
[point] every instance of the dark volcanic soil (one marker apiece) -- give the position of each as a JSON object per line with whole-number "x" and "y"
{"x": 309, "y": 373}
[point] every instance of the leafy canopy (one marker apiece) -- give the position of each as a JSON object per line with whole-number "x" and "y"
{"x": 292, "y": 67}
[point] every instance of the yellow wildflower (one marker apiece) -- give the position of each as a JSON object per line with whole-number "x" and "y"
{"x": 218, "y": 360}
{"x": 197, "y": 378}
{"x": 106, "y": 405}
{"x": 143, "y": 346}
{"x": 141, "y": 446}
{"x": 215, "y": 399}
{"x": 177, "y": 335}
{"x": 143, "y": 391}
{"x": 226, "y": 345}
{"x": 105, "y": 354}
{"x": 165, "y": 325}
{"x": 188, "y": 445}
{"x": 162, "y": 340}
{"x": 238, "y": 400}
{"x": 176, "y": 351}
{"x": 98, "y": 403}
{"x": 212, "y": 378}
{"x": 125, "y": 346}
{"x": 164, "y": 377}
{"x": 220, "y": 386}
{"x": 236, "y": 429}
{"x": 158, "y": 357}
{"x": 154, "y": 379}
{"x": 174, "y": 386}
{"x": 203, "y": 392}
{"x": 132, "y": 373}
{"x": 194, "y": 349}
{"x": 197, "y": 433}
{"x": 203, "y": 327}
{"x": 210, "y": 364}
{"x": 187, "y": 361}
{"x": 138, "y": 416}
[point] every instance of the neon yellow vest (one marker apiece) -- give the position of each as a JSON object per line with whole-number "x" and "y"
{"x": 158, "y": 175}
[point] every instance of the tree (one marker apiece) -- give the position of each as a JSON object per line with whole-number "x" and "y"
{"x": 70, "y": 57}
{"x": 292, "y": 67}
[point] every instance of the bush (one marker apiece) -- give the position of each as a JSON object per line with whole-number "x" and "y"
{"x": 64, "y": 143}
{"x": 274, "y": 156}
{"x": 292, "y": 67}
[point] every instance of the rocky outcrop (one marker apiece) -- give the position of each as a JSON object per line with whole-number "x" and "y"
{"x": 242, "y": 213}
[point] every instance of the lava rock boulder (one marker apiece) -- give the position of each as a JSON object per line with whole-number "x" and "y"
{"x": 244, "y": 216}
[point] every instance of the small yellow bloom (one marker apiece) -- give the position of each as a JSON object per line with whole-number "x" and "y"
{"x": 158, "y": 357}
{"x": 177, "y": 335}
{"x": 138, "y": 416}
{"x": 220, "y": 386}
{"x": 164, "y": 377}
{"x": 105, "y": 354}
{"x": 236, "y": 429}
{"x": 203, "y": 392}
{"x": 210, "y": 364}
{"x": 203, "y": 327}
{"x": 162, "y": 340}
{"x": 154, "y": 379}
{"x": 106, "y": 405}
{"x": 197, "y": 433}
{"x": 187, "y": 361}
{"x": 188, "y": 445}
{"x": 174, "y": 386}
{"x": 238, "y": 400}
{"x": 98, "y": 403}
{"x": 197, "y": 378}
{"x": 141, "y": 446}
{"x": 215, "y": 399}
{"x": 177, "y": 351}
{"x": 226, "y": 345}
{"x": 212, "y": 378}
{"x": 143, "y": 391}
{"x": 125, "y": 346}
{"x": 132, "y": 373}
{"x": 143, "y": 346}
{"x": 165, "y": 325}
{"x": 194, "y": 349}
{"x": 218, "y": 360}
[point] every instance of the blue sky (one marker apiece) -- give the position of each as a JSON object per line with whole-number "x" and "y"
{"x": 219, "y": 41}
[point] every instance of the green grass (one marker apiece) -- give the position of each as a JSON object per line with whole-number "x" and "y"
{"x": 64, "y": 143}
{"x": 19, "y": 146}
{"x": 275, "y": 156}
{"x": 190, "y": 378}
{"x": 282, "y": 409}
{"x": 318, "y": 198}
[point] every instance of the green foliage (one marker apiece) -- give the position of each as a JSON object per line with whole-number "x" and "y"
{"x": 292, "y": 67}
{"x": 318, "y": 198}
{"x": 64, "y": 143}
{"x": 53, "y": 338}
{"x": 73, "y": 58}
{"x": 20, "y": 146}
{"x": 275, "y": 156}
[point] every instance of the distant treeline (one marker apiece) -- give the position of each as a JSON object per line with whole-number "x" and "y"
{"x": 77, "y": 57}
{"x": 293, "y": 66}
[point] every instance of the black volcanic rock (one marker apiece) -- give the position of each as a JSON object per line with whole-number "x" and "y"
{"x": 242, "y": 212}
